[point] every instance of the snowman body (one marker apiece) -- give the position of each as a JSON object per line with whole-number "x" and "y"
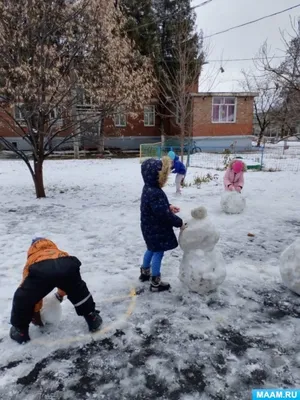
{"x": 290, "y": 267}
{"x": 202, "y": 267}
{"x": 233, "y": 202}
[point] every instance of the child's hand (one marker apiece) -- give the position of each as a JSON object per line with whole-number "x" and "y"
{"x": 231, "y": 188}
{"x": 174, "y": 209}
{"x": 184, "y": 226}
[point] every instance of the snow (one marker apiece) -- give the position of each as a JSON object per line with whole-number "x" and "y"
{"x": 290, "y": 267}
{"x": 233, "y": 202}
{"x": 51, "y": 311}
{"x": 177, "y": 345}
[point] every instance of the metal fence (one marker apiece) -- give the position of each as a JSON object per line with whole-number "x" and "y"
{"x": 278, "y": 157}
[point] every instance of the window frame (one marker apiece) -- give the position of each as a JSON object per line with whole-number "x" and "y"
{"x": 118, "y": 119}
{"x": 54, "y": 114}
{"x": 221, "y": 105}
{"x": 150, "y": 114}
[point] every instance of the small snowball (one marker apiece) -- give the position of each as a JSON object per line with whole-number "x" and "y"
{"x": 233, "y": 202}
{"x": 290, "y": 267}
{"x": 51, "y": 312}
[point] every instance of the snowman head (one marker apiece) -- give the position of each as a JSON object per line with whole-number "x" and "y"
{"x": 200, "y": 233}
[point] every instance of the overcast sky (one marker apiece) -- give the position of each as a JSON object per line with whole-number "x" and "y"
{"x": 242, "y": 42}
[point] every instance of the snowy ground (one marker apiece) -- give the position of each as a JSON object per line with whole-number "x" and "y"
{"x": 173, "y": 346}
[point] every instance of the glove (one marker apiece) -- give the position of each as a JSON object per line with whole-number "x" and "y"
{"x": 36, "y": 319}
{"x": 239, "y": 189}
{"x": 59, "y": 297}
{"x": 231, "y": 188}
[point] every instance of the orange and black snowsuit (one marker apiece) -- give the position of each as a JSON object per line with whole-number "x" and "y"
{"x": 48, "y": 268}
{"x": 42, "y": 250}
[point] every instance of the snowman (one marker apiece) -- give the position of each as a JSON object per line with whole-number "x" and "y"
{"x": 290, "y": 267}
{"x": 202, "y": 268}
{"x": 51, "y": 311}
{"x": 233, "y": 202}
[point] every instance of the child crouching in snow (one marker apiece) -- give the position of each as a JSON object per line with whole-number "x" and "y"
{"x": 48, "y": 267}
{"x": 234, "y": 176}
{"x": 157, "y": 221}
{"x": 177, "y": 168}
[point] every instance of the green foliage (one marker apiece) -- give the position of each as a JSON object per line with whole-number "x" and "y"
{"x": 199, "y": 179}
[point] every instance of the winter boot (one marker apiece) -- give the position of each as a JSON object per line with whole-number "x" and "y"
{"x": 19, "y": 335}
{"x": 145, "y": 275}
{"x": 157, "y": 285}
{"x": 93, "y": 320}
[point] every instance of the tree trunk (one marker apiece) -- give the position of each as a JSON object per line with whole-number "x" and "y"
{"x": 101, "y": 137}
{"x": 260, "y": 137}
{"x": 181, "y": 145}
{"x": 38, "y": 179}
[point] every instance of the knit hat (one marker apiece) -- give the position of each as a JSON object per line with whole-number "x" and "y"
{"x": 172, "y": 155}
{"x": 238, "y": 166}
{"x": 36, "y": 240}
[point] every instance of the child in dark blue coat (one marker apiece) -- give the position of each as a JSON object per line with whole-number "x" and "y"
{"x": 179, "y": 169}
{"x": 157, "y": 221}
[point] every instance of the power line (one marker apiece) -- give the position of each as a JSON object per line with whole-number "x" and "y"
{"x": 244, "y": 59}
{"x": 251, "y": 22}
{"x": 166, "y": 18}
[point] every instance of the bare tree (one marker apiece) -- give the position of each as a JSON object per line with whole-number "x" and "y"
{"x": 181, "y": 71}
{"x": 64, "y": 65}
{"x": 266, "y": 103}
{"x": 286, "y": 76}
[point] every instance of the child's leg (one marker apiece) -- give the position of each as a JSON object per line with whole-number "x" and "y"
{"x": 157, "y": 285}
{"x": 33, "y": 289}
{"x": 156, "y": 263}
{"x": 147, "y": 259}
{"x": 178, "y": 182}
{"x": 145, "y": 270}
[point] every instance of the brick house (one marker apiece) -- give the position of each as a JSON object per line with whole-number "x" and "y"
{"x": 218, "y": 120}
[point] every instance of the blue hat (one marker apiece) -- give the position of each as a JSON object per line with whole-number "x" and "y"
{"x": 172, "y": 155}
{"x": 36, "y": 240}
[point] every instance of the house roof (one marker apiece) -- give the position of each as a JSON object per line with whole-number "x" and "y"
{"x": 225, "y": 94}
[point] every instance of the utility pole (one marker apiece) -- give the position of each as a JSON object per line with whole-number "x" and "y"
{"x": 74, "y": 113}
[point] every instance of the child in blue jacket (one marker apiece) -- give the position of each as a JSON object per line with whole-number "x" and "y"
{"x": 179, "y": 169}
{"x": 157, "y": 221}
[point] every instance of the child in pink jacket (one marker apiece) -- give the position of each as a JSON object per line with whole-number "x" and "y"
{"x": 234, "y": 176}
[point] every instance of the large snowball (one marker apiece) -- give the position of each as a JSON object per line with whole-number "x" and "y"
{"x": 202, "y": 272}
{"x": 290, "y": 267}
{"x": 51, "y": 312}
{"x": 200, "y": 233}
{"x": 233, "y": 202}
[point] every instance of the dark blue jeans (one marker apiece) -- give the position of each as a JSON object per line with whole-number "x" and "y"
{"x": 153, "y": 259}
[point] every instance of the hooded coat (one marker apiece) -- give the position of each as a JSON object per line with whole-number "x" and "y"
{"x": 157, "y": 221}
{"x": 178, "y": 167}
{"x": 235, "y": 179}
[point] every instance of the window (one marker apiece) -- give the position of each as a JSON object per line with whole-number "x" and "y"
{"x": 120, "y": 120}
{"x": 20, "y": 113}
{"x": 224, "y": 110}
{"x": 149, "y": 116}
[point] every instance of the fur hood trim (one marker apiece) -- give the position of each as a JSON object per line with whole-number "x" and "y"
{"x": 164, "y": 172}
